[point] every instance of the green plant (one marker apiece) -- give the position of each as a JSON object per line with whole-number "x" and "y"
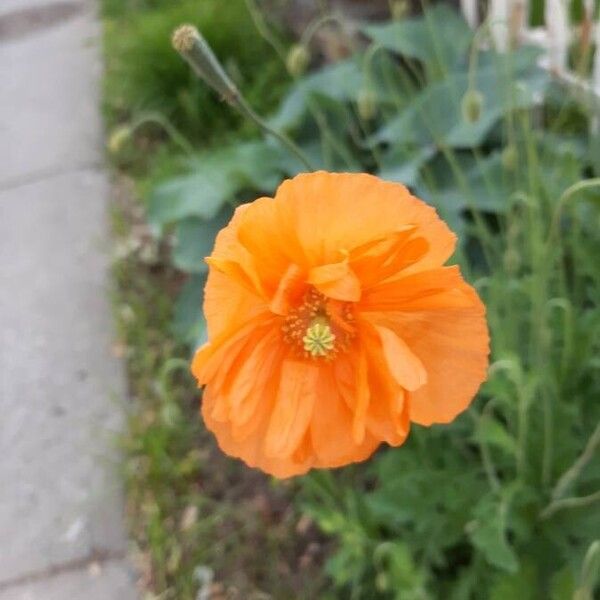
{"x": 416, "y": 135}
{"x": 499, "y": 504}
{"x": 144, "y": 74}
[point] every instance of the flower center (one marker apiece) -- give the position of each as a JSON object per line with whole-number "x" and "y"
{"x": 319, "y": 327}
{"x": 319, "y": 339}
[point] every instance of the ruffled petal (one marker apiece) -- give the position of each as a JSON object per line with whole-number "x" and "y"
{"x": 337, "y": 212}
{"x": 249, "y": 380}
{"x": 388, "y": 257}
{"x": 290, "y": 288}
{"x": 296, "y": 397}
{"x": 274, "y": 252}
{"x": 442, "y": 321}
{"x": 336, "y": 281}
{"x": 388, "y": 411}
{"x": 331, "y": 428}
{"x": 405, "y": 367}
{"x": 454, "y": 347}
{"x": 250, "y": 449}
{"x": 427, "y": 290}
{"x": 234, "y": 293}
{"x": 210, "y": 359}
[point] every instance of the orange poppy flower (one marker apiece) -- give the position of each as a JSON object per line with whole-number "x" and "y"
{"x": 333, "y": 324}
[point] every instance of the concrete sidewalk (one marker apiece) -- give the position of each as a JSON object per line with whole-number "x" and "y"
{"x": 61, "y": 393}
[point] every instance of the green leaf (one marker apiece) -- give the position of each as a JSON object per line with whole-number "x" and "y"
{"x": 440, "y": 38}
{"x": 340, "y": 81}
{"x": 195, "y": 238}
{"x": 434, "y": 116}
{"x": 395, "y": 560}
{"x": 522, "y": 585}
{"x": 213, "y": 179}
{"x": 402, "y": 164}
{"x": 487, "y": 187}
{"x": 562, "y": 585}
{"x": 188, "y": 324}
{"x": 488, "y": 533}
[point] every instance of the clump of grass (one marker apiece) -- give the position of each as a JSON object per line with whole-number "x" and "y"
{"x": 192, "y": 510}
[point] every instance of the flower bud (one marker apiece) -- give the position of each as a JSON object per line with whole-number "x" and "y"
{"x": 190, "y": 43}
{"x": 512, "y": 261}
{"x": 509, "y": 157}
{"x": 399, "y": 9}
{"x": 382, "y": 582}
{"x": 472, "y": 105}
{"x": 297, "y": 60}
{"x": 367, "y": 104}
{"x": 118, "y": 138}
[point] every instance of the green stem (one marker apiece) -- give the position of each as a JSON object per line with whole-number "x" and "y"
{"x": 263, "y": 29}
{"x": 170, "y": 129}
{"x": 571, "y": 474}
{"x": 171, "y": 366}
{"x": 313, "y": 27}
{"x": 566, "y": 195}
{"x": 515, "y": 375}
{"x": 579, "y": 502}
{"x": 488, "y": 464}
{"x": 188, "y": 41}
{"x": 246, "y": 110}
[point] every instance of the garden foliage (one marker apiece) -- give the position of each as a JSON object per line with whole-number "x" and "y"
{"x": 503, "y": 503}
{"x": 146, "y": 76}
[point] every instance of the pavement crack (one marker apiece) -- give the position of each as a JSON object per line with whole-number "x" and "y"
{"x": 98, "y": 557}
{"x": 45, "y": 174}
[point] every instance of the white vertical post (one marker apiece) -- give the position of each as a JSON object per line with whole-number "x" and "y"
{"x": 557, "y": 24}
{"x": 469, "y": 10}
{"x": 518, "y": 21}
{"x": 499, "y": 12}
{"x": 596, "y": 69}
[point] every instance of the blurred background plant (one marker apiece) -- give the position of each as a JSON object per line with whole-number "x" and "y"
{"x": 503, "y": 503}
{"x": 147, "y": 84}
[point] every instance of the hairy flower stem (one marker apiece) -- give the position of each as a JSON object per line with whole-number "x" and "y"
{"x": 264, "y": 31}
{"x": 188, "y": 41}
{"x": 565, "y": 196}
{"x": 569, "y": 476}
{"x": 176, "y": 136}
{"x": 321, "y": 21}
{"x": 557, "y": 505}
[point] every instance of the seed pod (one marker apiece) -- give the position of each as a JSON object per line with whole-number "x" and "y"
{"x": 509, "y": 157}
{"x": 399, "y": 9}
{"x": 192, "y": 46}
{"x": 472, "y": 106}
{"x": 367, "y": 104}
{"x": 297, "y": 60}
{"x": 512, "y": 261}
{"x": 118, "y": 138}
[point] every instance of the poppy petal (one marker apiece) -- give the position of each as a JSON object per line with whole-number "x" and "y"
{"x": 336, "y": 281}
{"x": 293, "y": 407}
{"x": 405, "y": 367}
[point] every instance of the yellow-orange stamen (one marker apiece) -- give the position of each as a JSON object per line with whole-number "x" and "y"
{"x": 319, "y": 327}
